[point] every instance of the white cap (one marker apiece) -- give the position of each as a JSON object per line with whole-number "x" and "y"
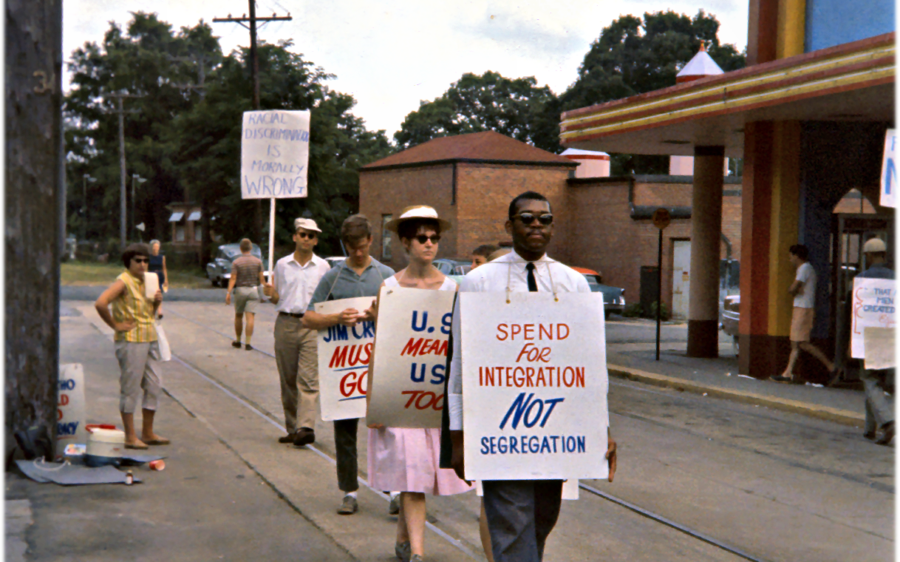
{"x": 874, "y": 246}
{"x": 418, "y": 212}
{"x": 306, "y": 224}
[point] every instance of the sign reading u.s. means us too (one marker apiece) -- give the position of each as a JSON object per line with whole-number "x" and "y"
{"x": 344, "y": 353}
{"x": 274, "y": 154}
{"x": 534, "y": 386}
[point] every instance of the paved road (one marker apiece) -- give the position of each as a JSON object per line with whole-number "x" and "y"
{"x": 773, "y": 485}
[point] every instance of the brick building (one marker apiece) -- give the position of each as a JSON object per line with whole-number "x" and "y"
{"x": 604, "y": 223}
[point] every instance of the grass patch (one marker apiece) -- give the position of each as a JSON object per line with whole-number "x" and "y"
{"x": 91, "y": 273}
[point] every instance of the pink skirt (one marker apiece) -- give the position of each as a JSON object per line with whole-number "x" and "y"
{"x": 407, "y": 460}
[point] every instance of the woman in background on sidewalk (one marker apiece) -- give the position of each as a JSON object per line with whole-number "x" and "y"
{"x": 158, "y": 266}
{"x": 408, "y": 459}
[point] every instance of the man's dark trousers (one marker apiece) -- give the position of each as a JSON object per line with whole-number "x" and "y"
{"x": 521, "y": 514}
{"x": 345, "y": 451}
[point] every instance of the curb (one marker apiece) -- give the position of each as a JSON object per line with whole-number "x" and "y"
{"x": 845, "y": 417}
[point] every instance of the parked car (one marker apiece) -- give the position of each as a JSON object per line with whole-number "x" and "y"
{"x": 335, "y": 261}
{"x": 613, "y": 297}
{"x": 452, "y": 267}
{"x": 218, "y": 271}
{"x": 731, "y": 316}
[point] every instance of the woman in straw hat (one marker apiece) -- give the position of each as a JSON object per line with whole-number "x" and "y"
{"x": 407, "y": 459}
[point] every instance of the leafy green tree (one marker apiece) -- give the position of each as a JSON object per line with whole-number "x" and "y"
{"x": 209, "y": 145}
{"x": 516, "y": 108}
{"x": 146, "y": 62}
{"x": 633, "y": 56}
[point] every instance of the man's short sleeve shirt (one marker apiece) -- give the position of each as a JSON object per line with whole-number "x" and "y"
{"x": 807, "y": 297}
{"x": 341, "y": 282}
{"x": 295, "y": 283}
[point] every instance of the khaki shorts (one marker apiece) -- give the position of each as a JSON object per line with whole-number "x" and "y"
{"x": 802, "y": 323}
{"x": 245, "y": 300}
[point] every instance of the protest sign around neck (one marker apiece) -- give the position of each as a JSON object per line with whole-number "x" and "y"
{"x": 344, "y": 353}
{"x": 407, "y": 380}
{"x": 534, "y": 385}
{"x": 274, "y": 154}
{"x": 872, "y": 306}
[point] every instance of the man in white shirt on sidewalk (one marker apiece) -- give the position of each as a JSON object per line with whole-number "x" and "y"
{"x": 295, "y": 278}
{"x": 520, "y": 513}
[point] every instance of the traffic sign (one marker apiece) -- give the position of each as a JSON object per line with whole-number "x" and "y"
{"x": 661, "y": 218}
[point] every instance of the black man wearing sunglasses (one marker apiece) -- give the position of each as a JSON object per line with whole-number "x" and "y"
{"x": 296, "y": 277}
{"x": 520, "y": 513}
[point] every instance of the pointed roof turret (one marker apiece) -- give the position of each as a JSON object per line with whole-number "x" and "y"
{"x": 701, "y": 66}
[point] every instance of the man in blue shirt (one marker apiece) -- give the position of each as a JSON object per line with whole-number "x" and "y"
{"x": 360, "y": 275}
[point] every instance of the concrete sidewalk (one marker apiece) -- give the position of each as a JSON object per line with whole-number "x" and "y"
{"x": 720, "y": 378}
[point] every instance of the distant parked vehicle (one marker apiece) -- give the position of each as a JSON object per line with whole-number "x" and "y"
{"x": 335, "y": 261}
{"x": 452, "y": 267}
{"x": 218, "y": 271}
{"x": 731, "y": 316}
{"x": 613, "y": 297}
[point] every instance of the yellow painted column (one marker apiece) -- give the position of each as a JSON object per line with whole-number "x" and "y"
{"x": 791, "y": 28}
{"x": 785, "y": 223}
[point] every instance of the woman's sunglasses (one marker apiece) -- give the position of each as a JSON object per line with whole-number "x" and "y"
{"x": 140, "y": 260}
{"x": 435, "y": 238}
{"x": 527, "y": 218}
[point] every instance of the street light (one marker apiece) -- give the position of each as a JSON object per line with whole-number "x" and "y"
{"x": 135, "y": 178}
{"x": 84, "y": 181}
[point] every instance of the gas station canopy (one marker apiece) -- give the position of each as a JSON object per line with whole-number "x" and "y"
{"x": 849, "y": 82}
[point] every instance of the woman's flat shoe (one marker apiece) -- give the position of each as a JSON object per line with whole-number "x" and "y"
{"x": 160, "y": 441}
{"x": 140, "y": 446}
{"x": 779, "y": 378}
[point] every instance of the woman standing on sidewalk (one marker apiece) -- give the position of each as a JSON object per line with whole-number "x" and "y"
{"x": 158, "y": 266}
{"x": 407, "y": 459}
{"x": 136, "y": 344}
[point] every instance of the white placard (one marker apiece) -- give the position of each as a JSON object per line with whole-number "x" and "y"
{"x": 151, "y": 285}
{"x": 274, "y": 154}
{"x": 534, "y": 386}
{"x": 344, "y": 353}
{"x": 71, "y": 408}
{"x": 873, "y": 306}
{"x": 880, "y": 348}
{"x": 889, "y": 169}
{"x": 410, "y": 357}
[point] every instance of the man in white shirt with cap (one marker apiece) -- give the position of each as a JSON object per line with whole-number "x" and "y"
{"x": 295, "y": 278}
{"x": 520, "y": 513}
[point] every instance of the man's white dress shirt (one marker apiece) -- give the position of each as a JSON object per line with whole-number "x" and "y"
{"x": 495, "y": 277}
{"x": 295, "y": 283}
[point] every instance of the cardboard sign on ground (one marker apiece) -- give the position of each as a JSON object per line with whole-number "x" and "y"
{"x": 344, "y": 353}
{"x": 534, "y": 386}
{"x": 873, "y": 306}
{"x": 410, "y": 357}
{"x": 71, "y": 407}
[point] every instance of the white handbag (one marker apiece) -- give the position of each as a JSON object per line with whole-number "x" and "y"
{"x": 165, "y": 352}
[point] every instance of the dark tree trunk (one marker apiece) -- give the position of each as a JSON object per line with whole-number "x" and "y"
{"x": 33, "y": 85}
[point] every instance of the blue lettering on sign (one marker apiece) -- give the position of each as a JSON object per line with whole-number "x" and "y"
{"x": 424, "y": 321}
{"x": 67, "y": 384}
{"x": 66, "y": 428}
{"x": 366, "y": 328}
{"x": 446, "y": 322}
{"x": 337, "y": 333}
{"x": 523, "y": 405}
{"x": 437, "y": 374}
{"x": 890, "y": 175}
{"x": 417, "y": 378}
{"x": 275, "y": 187}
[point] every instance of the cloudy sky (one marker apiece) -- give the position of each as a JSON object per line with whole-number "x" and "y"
{"x": 391, "y": 55}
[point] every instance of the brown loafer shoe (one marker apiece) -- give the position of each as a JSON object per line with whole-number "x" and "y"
{"x": 289, "y": 438}
{"x": 305, "y": 436}
{"x": 349, "y": 506}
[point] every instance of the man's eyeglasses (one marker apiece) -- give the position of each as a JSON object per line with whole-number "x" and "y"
{"x": 309, "y": 235}
{"x": 435, "y": 238}
{"x": 528, "y": 218}
{"x": 141, "y": 260}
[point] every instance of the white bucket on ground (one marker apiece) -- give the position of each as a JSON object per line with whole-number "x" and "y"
{"x": 104, "y": 446}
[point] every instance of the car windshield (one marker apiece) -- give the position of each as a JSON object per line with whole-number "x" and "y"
{"x": 593, "y": 281}
{"x": 230, "y": 253}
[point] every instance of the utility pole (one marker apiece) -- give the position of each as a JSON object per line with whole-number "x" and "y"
{"x": 122, "y": 189}
{"x": 84, "y": 181}
{"x": 254, "y": 74}
{"x": 32, "y": 225}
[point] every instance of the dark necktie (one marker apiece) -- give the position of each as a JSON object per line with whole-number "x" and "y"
{"x": 532, "y": 282}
